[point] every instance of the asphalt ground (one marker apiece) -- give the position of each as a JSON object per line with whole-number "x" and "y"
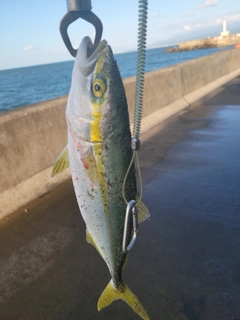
{"x": 186, "y": 262}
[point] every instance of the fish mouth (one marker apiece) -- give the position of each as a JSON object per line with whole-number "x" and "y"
{"x": 87, "y": 64}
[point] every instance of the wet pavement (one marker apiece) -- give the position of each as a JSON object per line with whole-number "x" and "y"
{"x": 186, "y": 263}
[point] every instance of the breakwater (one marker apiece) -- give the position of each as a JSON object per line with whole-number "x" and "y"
{"x": 32, "y": 137}
{"x": 229, "y": 40}
{"x": 215, "y": 42}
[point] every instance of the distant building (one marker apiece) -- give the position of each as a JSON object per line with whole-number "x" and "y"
{"x": 224, "y": 33}
{"x": 223, "y": 40}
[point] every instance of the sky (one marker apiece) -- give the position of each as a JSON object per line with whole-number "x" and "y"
{"x": 29, "y": 33}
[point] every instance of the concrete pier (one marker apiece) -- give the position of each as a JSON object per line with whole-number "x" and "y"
{"x": 186, "y": 262}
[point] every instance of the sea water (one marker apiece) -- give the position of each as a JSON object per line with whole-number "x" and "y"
{"x": 25, "y": 86}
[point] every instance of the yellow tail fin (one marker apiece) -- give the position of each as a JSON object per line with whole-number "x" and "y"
{"x": 111, "y": 294}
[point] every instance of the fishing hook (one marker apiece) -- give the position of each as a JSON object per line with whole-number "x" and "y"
{"x": 80, "y": 9}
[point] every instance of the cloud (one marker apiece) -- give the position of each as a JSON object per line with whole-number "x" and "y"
{"x": 210, "y": 22}
{"x": 187, "y": 28}
{"x": 28, "y": 48}
{"x": 62, "y": 48}
{"x": 218, "y": 21}
{"x": 233, "y": 17}
{"x": 207, "y": 3}
{"x": 156, "y": 14}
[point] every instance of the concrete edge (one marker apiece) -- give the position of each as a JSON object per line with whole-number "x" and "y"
{"x": 23, "y": 193}
{"x": 157, "y": 117}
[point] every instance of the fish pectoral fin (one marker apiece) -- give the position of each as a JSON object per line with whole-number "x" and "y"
{"x": 143, "y": 213}
{"x": 123, "y": 292}
{"x": 61, "y": 163}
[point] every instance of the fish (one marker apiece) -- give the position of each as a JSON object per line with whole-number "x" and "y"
{"x": 98, "y": 153}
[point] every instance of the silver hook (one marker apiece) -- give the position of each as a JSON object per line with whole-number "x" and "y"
{"x": 131, "y": 208}
{"x": 77, "y": 10}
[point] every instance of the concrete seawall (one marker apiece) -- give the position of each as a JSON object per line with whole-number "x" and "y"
{"x": 32, "y": 137}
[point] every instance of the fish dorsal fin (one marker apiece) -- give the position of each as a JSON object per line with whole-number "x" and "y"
{"x": 125, "y": 261}
{"x": 61, "y": 163}
{"x": 143, "y": 213}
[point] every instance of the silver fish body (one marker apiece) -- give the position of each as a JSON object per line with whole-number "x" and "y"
{"x": 99, "y": 152}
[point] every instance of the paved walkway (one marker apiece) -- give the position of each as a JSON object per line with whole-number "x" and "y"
{"x": 186, "y": 263}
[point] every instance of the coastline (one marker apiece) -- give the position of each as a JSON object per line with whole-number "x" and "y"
{"x": 216, "y": 42}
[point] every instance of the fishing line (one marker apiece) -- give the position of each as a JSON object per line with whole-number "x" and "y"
{"x": 142, "y": 33}
{"x": 135, "y": 155}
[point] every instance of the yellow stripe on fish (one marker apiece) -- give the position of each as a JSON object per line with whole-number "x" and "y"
{"x": 98, "y": 88}
{"x": 96, "y": 138}
{"x": 96, "y": 135}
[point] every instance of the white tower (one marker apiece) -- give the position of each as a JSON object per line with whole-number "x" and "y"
{"x": 224, "y": 33}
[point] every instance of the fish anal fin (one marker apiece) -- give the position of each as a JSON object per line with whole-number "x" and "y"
{"x": 90, "y": 240}
{"x": 123, "y": 292}
{"x": 143, "y": 213}
{"x": 61, "y": 163}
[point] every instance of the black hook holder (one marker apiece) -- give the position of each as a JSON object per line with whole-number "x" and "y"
{"x": 80, "y": 9}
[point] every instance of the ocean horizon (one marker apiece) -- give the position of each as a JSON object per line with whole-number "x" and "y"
{"x": 25, "y": 86}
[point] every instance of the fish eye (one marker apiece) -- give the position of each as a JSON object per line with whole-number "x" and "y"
{"x": 98, "y": 88}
